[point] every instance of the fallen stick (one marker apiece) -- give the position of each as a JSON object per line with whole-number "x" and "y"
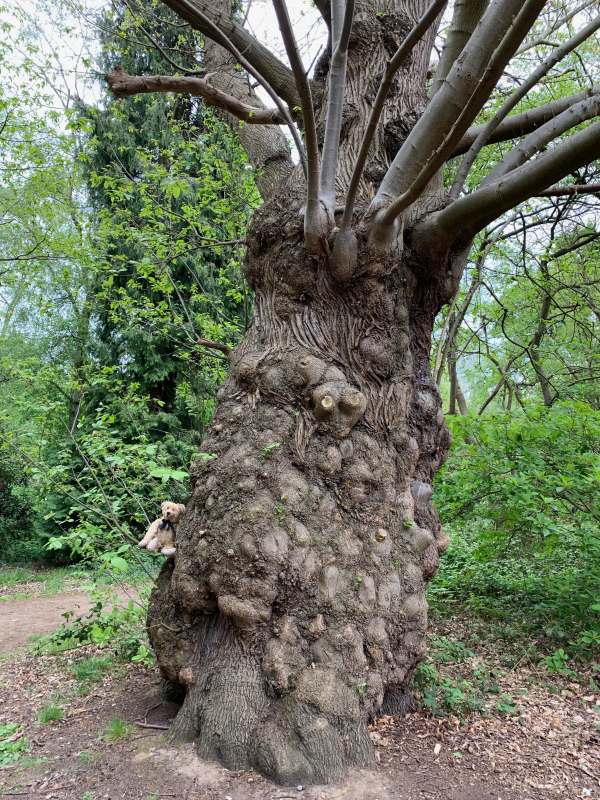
{"x": 150, "y": 725}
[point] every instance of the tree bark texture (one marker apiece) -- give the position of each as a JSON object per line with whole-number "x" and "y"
{"x": 294, "y": 610}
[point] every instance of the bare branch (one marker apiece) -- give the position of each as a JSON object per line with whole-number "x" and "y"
{"x": 313, "y": 227}
{"x": 516, "y": 96}
{"x": 401, "y": 54}
{"x": 536, "y": 141}
{"x": 451, "y": 110}
{"x": 190, "y": 10}
{"x": 219, "y": 27}
{"x": 466, "y": 15}
{"x": 572, "y": 189}
{"x": 467, "y": 215}
{"x": 123, "y": 85}
{"x": 522, "y": 124}
{"x": 341, "y": 28}
{"x": 556, "y": 24}
{"x": 223, "y": 348}
{"x": 324, "y": 7}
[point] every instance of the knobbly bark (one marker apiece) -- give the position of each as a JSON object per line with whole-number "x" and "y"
{"x": 295, "y": 609}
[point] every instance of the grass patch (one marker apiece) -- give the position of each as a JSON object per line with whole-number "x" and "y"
{"x": 117, "y": 729}
{"x": 54, "y": 584}
{"x": 91, "y": 670}
{"x": 50, "y": 713}
{"x": 53, "y": 580}
{"x": 86, "y": 757}
{"x": 30, "y": 762}
{"x": 10, "y": 576}
{"x": 16, "y": 596}
{"x": 13, "y": 745}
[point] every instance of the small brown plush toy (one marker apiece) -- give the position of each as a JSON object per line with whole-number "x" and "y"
{"x": 161, "y": 533}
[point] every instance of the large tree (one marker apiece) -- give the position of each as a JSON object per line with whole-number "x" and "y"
{"x": 295, "y": 608}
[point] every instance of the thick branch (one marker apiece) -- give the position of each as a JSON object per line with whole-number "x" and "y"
{"x": 466, "y": 15}
{"x": 536, "y": 141}
{"x": 451, "y": 110}
{"x": 524, "y": 123}
{"x": 202, "y": 16}
{"x": 515, "y": 97}
{"x": 312, "y": 217}
{"x": 123, "y": 85}
{"x": 399, "y": 57}
{"x": 335, "y": 100}
{"x": 467, "y": 215}
{"x": 214, "y": 32}
{"x": 223, "y": 348}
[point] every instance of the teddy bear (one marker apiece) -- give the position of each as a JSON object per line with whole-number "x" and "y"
{"x": 161, "y": 533}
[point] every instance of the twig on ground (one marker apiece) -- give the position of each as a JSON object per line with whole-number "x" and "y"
{"x": 151, "y": 725}
{"x": 579, "y": 767}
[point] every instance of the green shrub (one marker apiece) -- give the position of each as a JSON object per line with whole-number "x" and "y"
{"x": 122, "y": 630}
{"x": 17, "y": 543}
{"x": 520, "y": 497}
{"x": 96, "y": 491}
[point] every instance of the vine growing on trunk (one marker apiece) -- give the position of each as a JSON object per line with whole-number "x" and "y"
{"x": 295, "y": 609}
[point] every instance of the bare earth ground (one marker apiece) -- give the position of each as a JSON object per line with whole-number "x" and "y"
{"x": 21, "y": 619}
{"x": 549, "y": 748}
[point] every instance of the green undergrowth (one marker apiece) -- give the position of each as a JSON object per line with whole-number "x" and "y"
{"x": 456, "y": 680}
{"x": 520, "y": 498}
{"x": 453, "y": 680}
{"x": 13, "y": 744}
{"x": 120, "y": 631}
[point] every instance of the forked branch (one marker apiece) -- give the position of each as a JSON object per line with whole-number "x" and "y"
{"x": 401, "y": 54}
{"x": 468, "y": 215}
{"x": 202, "y": 16}
{"x": 190, "y": 10}
{"x": 451, "y": 110}
{"x": 484, "y": 135}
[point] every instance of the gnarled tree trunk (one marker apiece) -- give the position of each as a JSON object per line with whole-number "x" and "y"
{"x": 294, "y": 610}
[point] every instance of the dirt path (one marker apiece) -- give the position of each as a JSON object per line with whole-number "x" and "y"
{"x": 20, "y": 619}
